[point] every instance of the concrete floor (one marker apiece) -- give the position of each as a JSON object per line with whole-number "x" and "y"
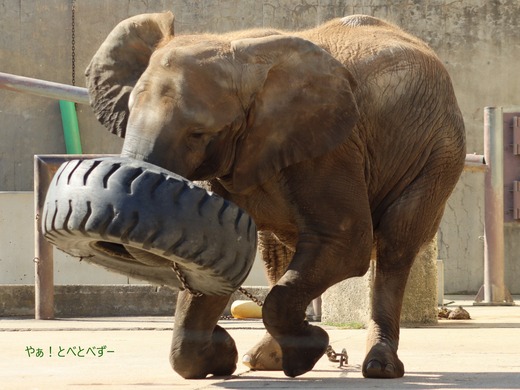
{"x": 481, "y": 353}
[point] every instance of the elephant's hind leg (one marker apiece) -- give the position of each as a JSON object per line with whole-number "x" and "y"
{"x": 199, "y": 346}
{"x": 407, "y": 225}
{"x": 383, "y": 336}
{"x": 267, "y": 354}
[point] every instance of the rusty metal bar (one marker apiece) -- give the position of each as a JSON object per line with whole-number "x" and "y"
{"x": 45, "y": 166}
{"x": 43, "y": 88}
{"x": 475, "y": 163}
{"x": 494, "y": 291}
{"x": 43, "y": 256}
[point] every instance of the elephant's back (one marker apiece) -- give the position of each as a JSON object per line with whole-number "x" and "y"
{"x": 390, "y": 66}
{"x": 369, "y": 46}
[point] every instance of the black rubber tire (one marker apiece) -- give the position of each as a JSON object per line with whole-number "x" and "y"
{"x": 136, "y": 219}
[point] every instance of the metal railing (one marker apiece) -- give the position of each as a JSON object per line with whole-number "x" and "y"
{"x": 43, "y": 88}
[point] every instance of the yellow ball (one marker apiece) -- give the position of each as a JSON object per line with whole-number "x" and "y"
{"x": 245, "y": 309}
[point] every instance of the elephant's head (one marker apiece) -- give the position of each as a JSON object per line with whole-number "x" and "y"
{"x": 207, "y": 106}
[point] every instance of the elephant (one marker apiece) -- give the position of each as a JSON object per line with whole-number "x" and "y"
{"x": 343, "y": 142}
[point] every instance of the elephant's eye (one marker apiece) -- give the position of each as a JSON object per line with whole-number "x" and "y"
{"x": 197, "y": 135}
{"x": 197, "y": 139}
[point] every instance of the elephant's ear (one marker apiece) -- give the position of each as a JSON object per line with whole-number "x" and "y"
{"x": 301, "y": 102}
{"x": 118, "y": 64}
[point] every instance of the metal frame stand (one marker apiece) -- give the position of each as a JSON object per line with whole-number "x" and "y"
{"x": 45, "y": 166}
{"x": 494, "y": 291}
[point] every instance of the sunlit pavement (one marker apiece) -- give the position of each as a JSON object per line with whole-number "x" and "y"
{"x": 132, "y": 352}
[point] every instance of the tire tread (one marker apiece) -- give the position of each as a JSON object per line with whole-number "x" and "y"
{"x": 82, "y": 225}
{"x": 89, "y": 171}
{"x": 106, "y": 177}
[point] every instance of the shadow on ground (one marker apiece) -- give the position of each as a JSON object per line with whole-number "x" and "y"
{"x": 430, "y": 380}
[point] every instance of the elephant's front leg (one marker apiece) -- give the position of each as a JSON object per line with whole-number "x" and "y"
{"x": 200, "y": 347}
{"x": 314, "y": 268}
{"x": 302, "y": 344}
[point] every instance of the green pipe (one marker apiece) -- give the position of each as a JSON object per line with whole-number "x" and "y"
{"x": 69, "y": 119}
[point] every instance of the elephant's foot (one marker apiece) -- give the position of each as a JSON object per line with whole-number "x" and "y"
{"x": 264, "y": 356}
{"x": 300, "y": 352}
{"x": 382, "y": 362}
{"x": 225, "y": 356}
{"x": 194, "y": 361}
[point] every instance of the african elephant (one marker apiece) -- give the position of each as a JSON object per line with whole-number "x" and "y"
{"x": 340, "y": 141}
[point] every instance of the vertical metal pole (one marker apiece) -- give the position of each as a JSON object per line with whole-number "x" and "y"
{"x": 494, "y": 204}
{"x": 493, "y": 292}
{"x": 43, "y": 256}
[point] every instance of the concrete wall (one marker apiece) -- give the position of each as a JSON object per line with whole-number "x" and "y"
{"x": 17, "y": 249}
{"x": 477, "y": 39}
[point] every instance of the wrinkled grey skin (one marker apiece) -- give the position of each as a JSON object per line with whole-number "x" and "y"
{"x": 338, "y": 141}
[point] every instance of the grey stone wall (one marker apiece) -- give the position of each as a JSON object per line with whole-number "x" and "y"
{"x": 477, "y": 40}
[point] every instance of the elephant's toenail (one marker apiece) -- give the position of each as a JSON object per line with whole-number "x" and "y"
{"x": 246, "y": 360}
{"x": 373, "y": 365}
{"x": 389, "y": 369}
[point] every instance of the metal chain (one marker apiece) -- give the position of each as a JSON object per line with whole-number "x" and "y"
{"x": 333, "y": 356}
{"x": 186, "y": 286}
{"x": 184, "y": 282}
{"x": 73, "y": 33}
{"x": 251, "y": 296}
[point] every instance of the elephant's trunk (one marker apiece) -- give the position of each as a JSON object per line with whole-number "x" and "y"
{"x": 138, "y": 148}
{"x": 154, "y": 151}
